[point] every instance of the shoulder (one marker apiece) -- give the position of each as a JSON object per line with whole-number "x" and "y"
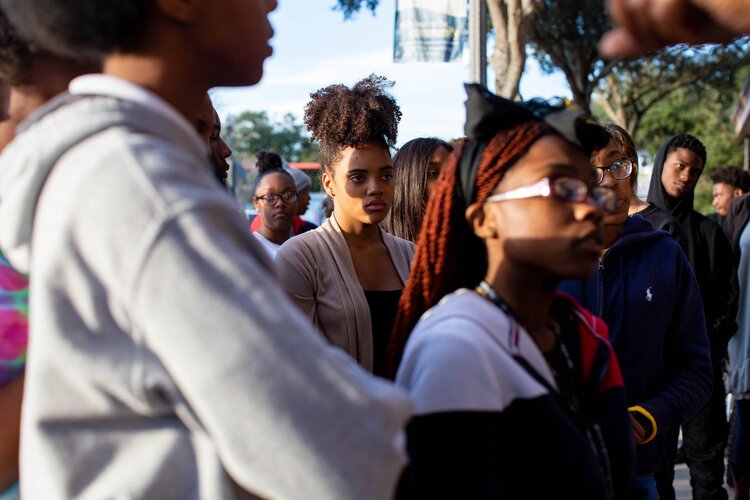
{"x": 404, "y": 246}
{"x": 452, "y": 362}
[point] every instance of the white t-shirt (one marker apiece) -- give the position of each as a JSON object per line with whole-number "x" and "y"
{"x": 268, "y": 245}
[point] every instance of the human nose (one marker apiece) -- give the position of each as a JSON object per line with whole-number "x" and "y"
{"x": 226, "y": 151}
{"x": 271, "y": 5}
{"x": 589, "y": 210}
{"x": 375, "y": 187}
{"x": 608, "y": 179}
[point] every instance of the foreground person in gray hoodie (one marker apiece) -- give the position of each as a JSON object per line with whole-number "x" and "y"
{"x": 164, "y": 360}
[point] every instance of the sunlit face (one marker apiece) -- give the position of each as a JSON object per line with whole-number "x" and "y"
{"x": 276, "y": 216}
{"x": 233, "y": 36}
{"x": 361, "y": 185}
{"x": 721, "y": 194}
{"x": 558, "y": 239}
{"x": 682, "y": 168}
{"x": 439, "y": 156}
{"x": 623, "y": 188}
{"x": 219, "y": 149}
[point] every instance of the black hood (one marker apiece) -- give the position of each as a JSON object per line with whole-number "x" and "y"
{"x": 679, "y": 208}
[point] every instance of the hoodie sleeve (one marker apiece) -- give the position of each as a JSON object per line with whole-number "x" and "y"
{"x": 688, "y": 381}
{"x": 286, "y": 413}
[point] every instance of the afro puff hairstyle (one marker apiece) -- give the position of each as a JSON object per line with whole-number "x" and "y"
{"x": 79, "y": 29}
{"x": 340, "y": 117}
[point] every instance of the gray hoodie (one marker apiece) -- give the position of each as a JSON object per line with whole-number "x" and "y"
{"x": 164, "y": 359}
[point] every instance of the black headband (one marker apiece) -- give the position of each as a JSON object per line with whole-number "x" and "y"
{"x": 488, "y": 114}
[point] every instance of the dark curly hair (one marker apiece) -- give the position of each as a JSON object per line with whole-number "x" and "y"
{"x": 80, "y": 29}
{"x": 340, "y": 117}
{"x": 690, "y": 142}
{"x": 268, "y": 163}
{"x": 733, "y": 176}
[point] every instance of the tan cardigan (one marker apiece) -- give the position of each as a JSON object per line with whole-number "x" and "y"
{"x": 317, "y": 271}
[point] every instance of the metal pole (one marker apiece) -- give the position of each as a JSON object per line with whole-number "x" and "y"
{"x": 478, "y": 41}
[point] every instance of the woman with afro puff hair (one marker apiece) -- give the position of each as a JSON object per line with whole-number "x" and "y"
{"x": 347, "y": 275}
{"x": 512, "y": 381}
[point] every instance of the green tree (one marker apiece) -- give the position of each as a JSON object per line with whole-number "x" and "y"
{"x": 565, "y": 36}
{"x": 253, "y": 131}
{"x": 705, "y": 113}
{"x": 632, "y": 88}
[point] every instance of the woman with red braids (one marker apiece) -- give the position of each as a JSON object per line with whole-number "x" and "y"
{"x": 347, "y": 275}
{"x": 517, "y": 391}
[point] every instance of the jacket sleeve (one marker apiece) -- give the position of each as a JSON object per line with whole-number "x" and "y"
{"x": 289, "y": 416}
{"x": 687, "y": 370}
{"x": 296, "y": 269}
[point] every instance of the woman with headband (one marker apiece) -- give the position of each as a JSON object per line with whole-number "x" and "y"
{"x": 517, "y": 391}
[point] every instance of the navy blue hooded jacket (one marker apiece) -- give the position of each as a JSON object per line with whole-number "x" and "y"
{"x": 646, "y": 292}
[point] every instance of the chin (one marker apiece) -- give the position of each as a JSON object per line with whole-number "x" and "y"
{"x": 616, "y": 219}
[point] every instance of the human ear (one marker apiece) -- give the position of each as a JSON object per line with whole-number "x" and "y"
{"x": 185, "y": 11}
{"x": 327, "y": 180}
{"x": 482, "y": 223}
{"x": 736, "y": 192}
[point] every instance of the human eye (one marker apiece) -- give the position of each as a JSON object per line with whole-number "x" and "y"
{"x": 433, "y": 173}
{"x": 271, "y": 198}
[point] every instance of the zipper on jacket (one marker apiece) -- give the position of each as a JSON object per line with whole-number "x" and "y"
{"x": 600, "y": 284}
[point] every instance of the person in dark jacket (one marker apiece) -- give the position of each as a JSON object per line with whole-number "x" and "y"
{"x": 644, "y": 289}
{"x": 678, "y": 165}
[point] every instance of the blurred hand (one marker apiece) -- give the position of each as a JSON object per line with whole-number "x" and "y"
{"x": 648, "y": 25}
{"x": 639, "y": 433}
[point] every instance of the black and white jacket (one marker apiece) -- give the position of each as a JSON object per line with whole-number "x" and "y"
{"x": 486, "y": 426}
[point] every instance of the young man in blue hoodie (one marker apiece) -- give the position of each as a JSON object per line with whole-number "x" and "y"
{"x": 644, "y": 289}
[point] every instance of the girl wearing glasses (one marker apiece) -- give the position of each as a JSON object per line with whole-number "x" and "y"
{"x": 275, "y": 199}
{"x": 644, "y": 289}
{"x": 347, "y": 275}
{"x": 517, "y": 391}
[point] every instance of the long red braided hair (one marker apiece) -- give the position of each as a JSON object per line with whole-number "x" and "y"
{"x": 448, "y": 254}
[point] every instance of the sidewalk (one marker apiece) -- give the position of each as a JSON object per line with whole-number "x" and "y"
{"x": 681, "y": 483}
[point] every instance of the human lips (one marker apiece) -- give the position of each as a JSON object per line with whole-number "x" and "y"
{"x": 376, "y": 205}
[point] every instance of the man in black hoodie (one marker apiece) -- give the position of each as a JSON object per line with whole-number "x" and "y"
{"x": 679, "y": 163}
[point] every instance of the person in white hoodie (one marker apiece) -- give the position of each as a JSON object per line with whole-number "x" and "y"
{"x": 164, "y": 360}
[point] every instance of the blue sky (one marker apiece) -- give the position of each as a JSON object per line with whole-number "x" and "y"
{"x": 314, "y": 47}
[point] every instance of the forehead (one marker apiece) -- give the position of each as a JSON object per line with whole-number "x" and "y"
{"x": 611, "y": 151}
{"x": 722, "y": 186}
{"x": 365, "y": 157}
{"x": 275, "y": 181}
{"x": 550, "y": 155}
{"x": 686, "y": 156}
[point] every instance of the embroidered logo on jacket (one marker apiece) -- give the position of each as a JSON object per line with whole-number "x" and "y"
{"x": 649, "y": 295}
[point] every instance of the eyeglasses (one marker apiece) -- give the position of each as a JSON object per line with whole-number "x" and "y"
{"x": 567, "y": 189}
{"x": 619, "y": 170}
{"x": 286, "y": 197}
